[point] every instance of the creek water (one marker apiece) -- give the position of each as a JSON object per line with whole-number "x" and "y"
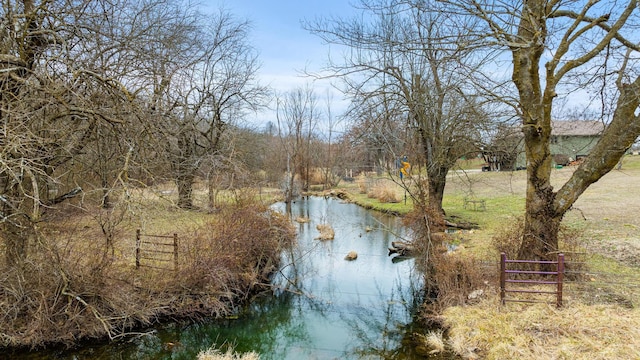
{"x": 323, "y": 306}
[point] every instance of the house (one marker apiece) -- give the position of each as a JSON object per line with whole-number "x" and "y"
{"x": 570, "y": 141}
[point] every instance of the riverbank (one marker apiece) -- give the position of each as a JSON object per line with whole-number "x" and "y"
{"x": 81, "y": 282}
{"x": 320, "y": 305}
{"x": 599, "y": 320}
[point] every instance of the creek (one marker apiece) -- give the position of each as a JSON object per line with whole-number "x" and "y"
{"x": 323, "y": 306}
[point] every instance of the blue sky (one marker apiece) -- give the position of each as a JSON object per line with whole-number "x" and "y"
{"x": 285, "y": 48}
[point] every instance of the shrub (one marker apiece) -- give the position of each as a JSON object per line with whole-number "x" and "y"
{"x": 449, "y": 276}
{"x": 68, "y": 291}
{"x": 238, "y": 248}
{"x": 456, "y": 276}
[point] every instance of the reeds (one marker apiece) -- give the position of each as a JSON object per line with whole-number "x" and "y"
{"x": 385, "y": 192}
{"x": 213, "y": 354}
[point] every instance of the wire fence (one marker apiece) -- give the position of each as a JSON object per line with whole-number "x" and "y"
{"x": 591, "y": 287}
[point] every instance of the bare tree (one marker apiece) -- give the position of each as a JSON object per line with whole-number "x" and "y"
{"x": 296, "y": 113}
{"x": 559, "y": 47}
{"x": 100, "y": 86}
{"x": 198, "y": 76}
{"x": 52, "y": 103}
{"x": 330, "y": 156}
{"x": 380, "y": 135}
{"x": 222, "y": 84}
{"x": 407, "y": 55}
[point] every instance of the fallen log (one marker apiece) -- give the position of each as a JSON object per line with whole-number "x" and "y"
{"x": 401, "y": 248}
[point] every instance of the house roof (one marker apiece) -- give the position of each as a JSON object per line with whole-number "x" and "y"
{"x": 577, "y": 128}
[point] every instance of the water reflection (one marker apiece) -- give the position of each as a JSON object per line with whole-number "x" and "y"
{"x": 359, "y": 309}
{"x": 323, "y": 307}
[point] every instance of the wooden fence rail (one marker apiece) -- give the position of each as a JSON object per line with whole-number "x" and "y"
{"x": 156, "y": 251}
{"x": 506, "y": 277}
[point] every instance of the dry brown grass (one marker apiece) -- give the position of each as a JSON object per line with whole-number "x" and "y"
{"x": 320, "y": 176}
{"x": 490, "y": 331}
{"x": 363, "y": 183}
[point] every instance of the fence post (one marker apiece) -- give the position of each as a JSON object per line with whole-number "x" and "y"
{"x": 503, "y": 268}
{"x": 560, "y": 278}
{"x": 175, "y": 251}
{"x": 137, "y": 248}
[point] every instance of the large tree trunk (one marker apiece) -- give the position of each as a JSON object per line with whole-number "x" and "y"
{"x": 437, "y": 170}
{"x": 436, "y": 182}
{"x": 185, "y": 165}
{"x": 540, "y": 234}
{"x": 541, "y": 222}
{"x": 185, "y": 190}
{"x": 544, "y": 207}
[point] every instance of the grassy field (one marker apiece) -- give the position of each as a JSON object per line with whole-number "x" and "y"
{"x": 606, "y": 214}
{"x": 599, "y": 319}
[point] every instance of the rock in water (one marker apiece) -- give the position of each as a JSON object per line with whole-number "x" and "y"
{"x": 352, "y": 255}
